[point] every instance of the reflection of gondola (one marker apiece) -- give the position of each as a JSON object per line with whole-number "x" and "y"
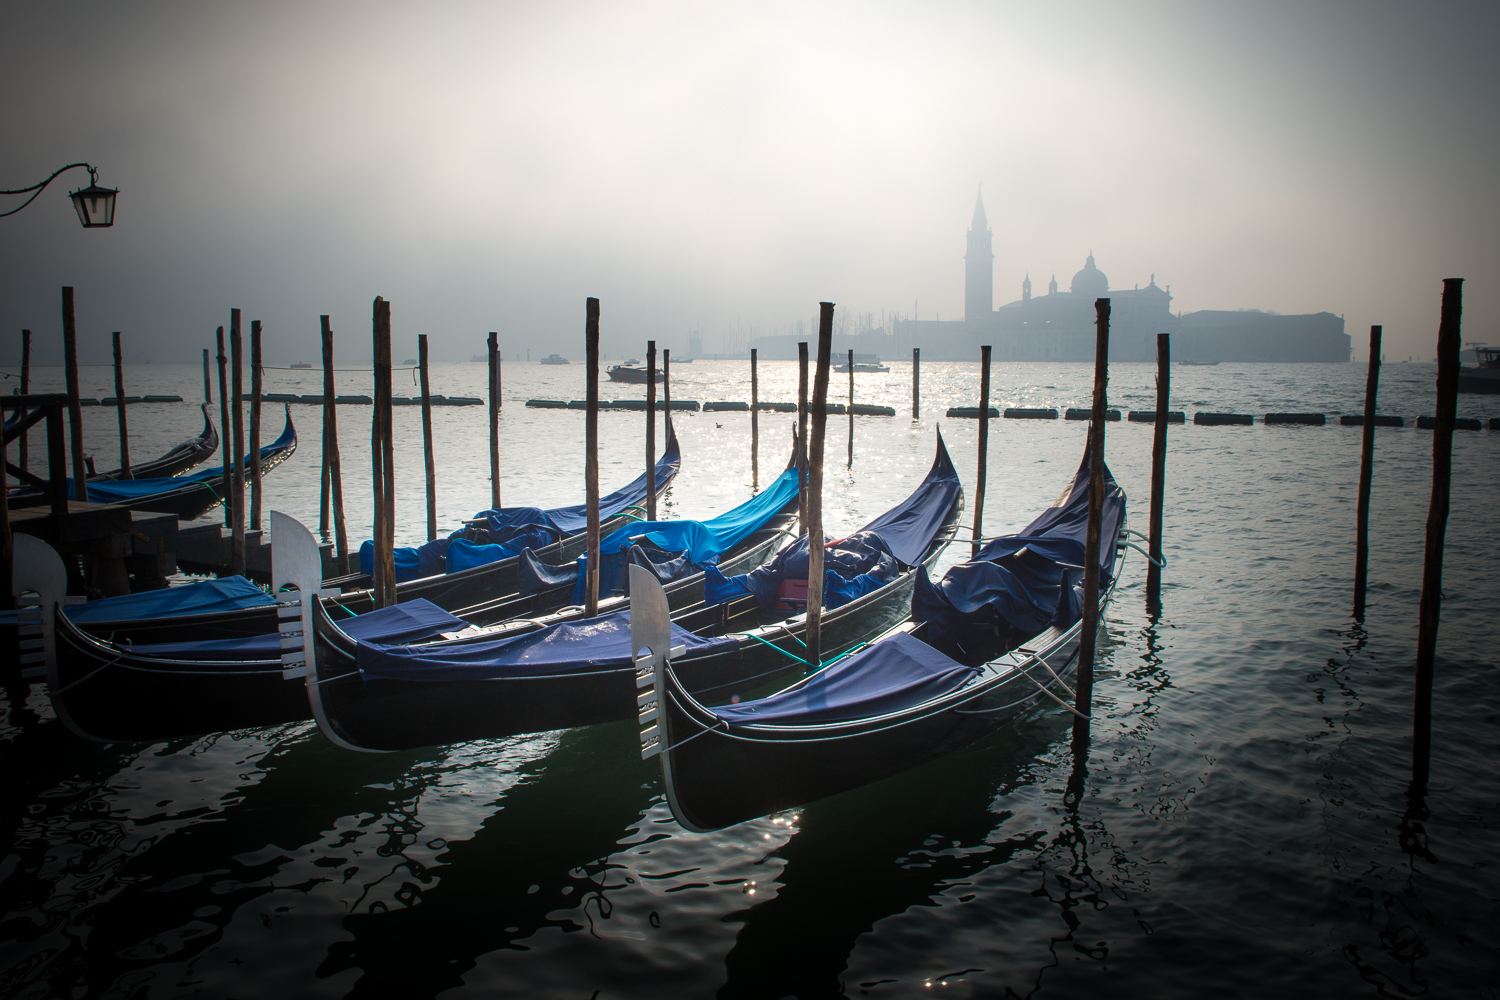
{"x": 896, "y": 704}
{"x": 523, "y": 678}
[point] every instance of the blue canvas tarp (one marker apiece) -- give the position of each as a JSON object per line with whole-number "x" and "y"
{"x": 574, "y": 647}
{"x": 1020, "y": 584}
{"x": 230, "y": 593}
{"x": 510, "y": 530}
{"x": 897, "y": 673}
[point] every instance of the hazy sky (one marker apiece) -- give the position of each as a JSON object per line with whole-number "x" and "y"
{"x": 489, "y": 165}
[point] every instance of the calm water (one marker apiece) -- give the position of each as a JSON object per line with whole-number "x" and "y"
{"x": 1240, "y": 823}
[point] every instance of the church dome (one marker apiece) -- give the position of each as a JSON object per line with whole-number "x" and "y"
{"x": 1090, "y": 281}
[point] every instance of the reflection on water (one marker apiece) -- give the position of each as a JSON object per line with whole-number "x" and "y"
{"x": 1240, "y": 822}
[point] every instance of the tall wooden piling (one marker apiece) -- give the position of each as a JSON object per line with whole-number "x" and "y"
{"x": 1366, "y": 474}
{"x": 23, "y": 457}
{"x": 916, "y": 383}
{"x": 591, "y": 456}
{"x": 1430, "y": 609}
{"x": 75, "y": 413}
{"x": 494, "y": 404}
{"x": 382, "y": 456}
{"x": 1089, "y": 631}
{"x": 815, "y": 486}
{"x": 237, "y": 473}
{"x": 1159, "y": 465}
{"x": 802, "y": 437}
{"x": 331, "y": 451}
{"x": 754, "y": 422}
{"x": 650, "y": 430}
{"x": 257, "y": 384}
{"x": 981, "y": 473}
{"x": 666, "y": 385}
{"x": 851, "y": 408}
{"x": 208, "y": 386}
{"x": 429, "y": 464}
{"x": 226, "y": 438}
{"x": 120, "y": 408}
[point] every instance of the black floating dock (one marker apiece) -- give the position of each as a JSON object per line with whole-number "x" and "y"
{"x": 777, "y": 407}
{"x": 284, "y": 397}
{"x": 1031, "y": 412}
{"x": 1149, "y": 416}
{"x": 1358, "y": 420}
{"x": 969, "y": 411}
{"x": 1222, "y": 419}
{"x": 352, "y": 400}
{"x": 726, "y": 406}
{"x": 87, "y": 401}
{"x": 1459, "y": 423}
{"x": 110, "y": 400}
{"x": 1079, "y": 413}
{"x": 1303, "y": 419}
{"x": 548, "y": 404}
{"x": 867, "y": 410}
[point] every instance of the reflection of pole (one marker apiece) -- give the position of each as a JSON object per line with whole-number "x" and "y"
{"x": 815, "y": 488}
{"x": 754, "y": 423}
{"x": 650, "y": 430}
{"x": 75, "y": 415}
{"x": 981, "y": 474}
{"x": 1159, "y": 464}
{"x": 120, "y": 409}
{"x": 1089, "y": 631}
{"x": 428, "y": 462}
{"x": 591, "y": 457}
{"x": 1366, "y": 473}
{"x": 1437, "y": 523}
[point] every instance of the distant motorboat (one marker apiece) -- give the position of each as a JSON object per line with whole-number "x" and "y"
{"x": 411, "y": 361}
{"x": 481, "y": 358}
{"x": 554, "y": 359}
{"x": 300, "y": 364}
{"x": 863, "y": 363}
{"x": 1484, "y": 377}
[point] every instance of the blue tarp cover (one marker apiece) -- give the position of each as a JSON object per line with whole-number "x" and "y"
{"x": 230, "y": 593}
{"x": 1023, "y": 582}
{"x": 909, "y": 528}
{"x": 506, "y": 532}
{"x": 853, "y": 567}
{"x": 575, "y": 647}
{"x": 409, "y": 621}
{"x": 897, "y": 673}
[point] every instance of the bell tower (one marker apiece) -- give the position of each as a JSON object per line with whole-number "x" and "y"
{"x": 979, "y": 269}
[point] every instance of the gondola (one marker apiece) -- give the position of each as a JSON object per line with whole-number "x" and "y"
{"x": 176, "y": 461}
{"x": 534, "y": 676}
{"x": 928, "y": 686}
{"x": 187, "y": 496}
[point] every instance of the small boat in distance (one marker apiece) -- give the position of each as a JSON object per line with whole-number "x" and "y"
{"x": 300, "y": 364}
{"x": 1484, "y": 377}
{"x": 554, "y": 359}
{"x": 481, "y": 358}
{"x": 411, "y": 361}
{"x": 863, "y": 363}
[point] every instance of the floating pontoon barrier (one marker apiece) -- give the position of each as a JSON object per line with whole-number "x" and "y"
{"x": 110, "y": 400}
{"x": 867, "y": 410}
{"x": 114, "y": 401}
{"x": 1459, "y": 423}
{"x": 1222, "y": 419}
{"x": 1149, "y": 417}
{"x": 969, "y": 411}
{"x": 87, "y": 401}
{"x": 353, "y": 400}
{"x": 460, "y": 401}
{"x": 1358, "y": 420}
{"x": 1030, "y": 412}
{"x": 548, "y": 404}
{"x": 1079, "y": 413}
{"x": 726, "y": 406}
{"x": 1308, "y": 419}
{"x": 284, "y": 397}
{"x": 1495, "y": 423}
{"x": 777, "y": 407}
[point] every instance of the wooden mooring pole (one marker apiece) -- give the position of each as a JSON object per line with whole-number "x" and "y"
{"x": 591, "y": 457}
{"x": 237, "y": 473}
{"x": 382, "y": 455}
{"x": 815, "y": 486}
{"x": 494, "y": 356}
{"x": 666, "y": 387}
{"x": 851, "y": 408}
{"x": 208, "y": 386}
{"x": 650, "y": 430}
{"x": 331, "y": 450}
{"x": 1366, "y": 474}
{"x": 75, "y": 414}
{"x": 916, "y": 383}
{"x": 257, "y": 373}
{"x": 802, "y": 437}
{"x": 226, "y": 438}
{"x": 1089, "y": 631}
{"x": 981, "y": 473}
{"x": 429, "y": 464}
{"x": 1158, "y": 465}
{"x": 1430, "y": 609}
{"x": 754, "y": 422}
{"x": 24, "y": 457}
{"x": 120, "y": 408}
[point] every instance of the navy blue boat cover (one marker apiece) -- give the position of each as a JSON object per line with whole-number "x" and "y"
{"x": 1020, "y": 584}
{"x": 229, "y": 593}
{"x": 409, "y": 621}
{"x": 601, "y": 643}
{"x": 126, "y": 491}
{"x": 895, "y": 674}
{"x": 861, "y": 563}
{"x": 506, "y": 532}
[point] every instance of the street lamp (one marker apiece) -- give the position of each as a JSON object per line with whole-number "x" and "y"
{"x": 95, "y": 204}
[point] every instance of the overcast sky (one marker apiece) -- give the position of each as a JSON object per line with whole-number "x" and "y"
{"x": 487, "y": 166}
